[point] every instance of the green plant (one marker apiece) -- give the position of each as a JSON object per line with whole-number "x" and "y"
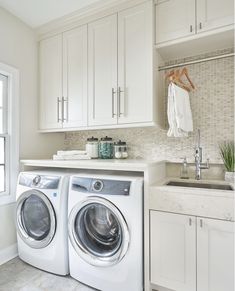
{"x": 227, "y": 155}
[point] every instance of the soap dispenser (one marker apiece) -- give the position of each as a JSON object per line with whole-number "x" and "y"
{"x": 184, "y": 169}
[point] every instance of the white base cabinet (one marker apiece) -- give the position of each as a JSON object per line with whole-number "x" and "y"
{"x": 173, "y": 255}
{"x": 215, "y": 255}
{"x": 190, "y": 253}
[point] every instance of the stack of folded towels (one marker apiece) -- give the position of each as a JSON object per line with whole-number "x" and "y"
{"x": 71, "y": 155}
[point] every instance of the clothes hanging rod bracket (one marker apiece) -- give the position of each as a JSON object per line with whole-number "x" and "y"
{"x": 162, "y": 68}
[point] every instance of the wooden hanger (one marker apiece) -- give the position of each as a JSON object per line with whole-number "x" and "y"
{"x": 175, "y": 77}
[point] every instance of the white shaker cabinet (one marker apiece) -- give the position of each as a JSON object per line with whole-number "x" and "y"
{"x": 51, "y": 83}
{"x": 215, "y": 255}
{"x": 173, "y": 251}
{"x": 120, "y": 57}
{"x": 102, "y": 66}
{"x": 191, "y": 253}
{"x": 63, "y": 80}
{"x": 212, "y": 14}
{"x": 75, "y": 78}
{"x": 175, "y": 19}
{"x": 135, "y": 65}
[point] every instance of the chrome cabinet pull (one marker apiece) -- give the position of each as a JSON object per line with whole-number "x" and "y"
{"x": 200, "y": 25}
{"x": 119, "y": 102}
{"x": 190, "y": 221}
{"x": 64, "y": 118}
{"x": 113, "y": 93}
{"x": 201, "y": 223}
{"x": 58, "y": 110}
{"x": 191, "y": 28}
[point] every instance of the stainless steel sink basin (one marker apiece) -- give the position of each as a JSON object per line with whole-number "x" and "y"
{"x": 200, "y": 185}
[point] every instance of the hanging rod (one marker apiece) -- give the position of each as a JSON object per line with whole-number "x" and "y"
{"x": 162, "y": 68}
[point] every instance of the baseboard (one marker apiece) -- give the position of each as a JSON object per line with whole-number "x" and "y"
{"x": 8, "y": 254}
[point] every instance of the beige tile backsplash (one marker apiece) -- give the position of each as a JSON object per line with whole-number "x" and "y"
{"x": 212, "y": 106}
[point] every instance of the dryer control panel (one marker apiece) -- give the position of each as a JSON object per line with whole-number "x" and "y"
{"x": 39, "y": 181}
{"x": 101, "y": 186}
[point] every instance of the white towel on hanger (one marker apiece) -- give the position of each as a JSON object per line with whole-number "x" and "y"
{"x": 179, "y": 112}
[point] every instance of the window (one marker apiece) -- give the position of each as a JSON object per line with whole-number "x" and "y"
{"x": 9, "y": 142}
{"x": 3, "y": 133}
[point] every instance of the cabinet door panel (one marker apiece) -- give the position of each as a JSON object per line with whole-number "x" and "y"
{"x": 213, "y": 14}
{"x": 215, "y": 249}
{"x": 102, "y": 66}
{"x": 135, "y": 64}
{"x": 174, "y": 19}
{"x": 173, "y": 251}
{"x": 75, "y": 77}
{"x": 50, "y": 82}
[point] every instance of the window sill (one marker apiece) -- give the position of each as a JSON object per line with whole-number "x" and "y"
{"x": 7, "y": 199}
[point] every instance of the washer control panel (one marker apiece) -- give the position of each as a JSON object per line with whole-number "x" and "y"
{"x": 101, "y": 186}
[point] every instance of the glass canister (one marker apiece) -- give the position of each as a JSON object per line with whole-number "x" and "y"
{"x": 106, "y": 148}
{"x": 120, "y": 150}
{"x": 92, "y": 147}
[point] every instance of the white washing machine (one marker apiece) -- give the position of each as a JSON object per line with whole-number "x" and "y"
{"x": 106, "y": 231}
{"x": 41, "y": 220}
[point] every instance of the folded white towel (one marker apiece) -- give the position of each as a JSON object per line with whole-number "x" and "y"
{"x": 179, "y": 112}
{"x": 71, "y": 157}
{"x": 71, "y": 153}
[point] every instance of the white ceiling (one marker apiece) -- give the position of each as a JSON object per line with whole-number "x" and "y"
{"x": 38, "y": 12}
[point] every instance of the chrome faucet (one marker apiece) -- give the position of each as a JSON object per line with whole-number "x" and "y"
{"x": 198, "y": 159}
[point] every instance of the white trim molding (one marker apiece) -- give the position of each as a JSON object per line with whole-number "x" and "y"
{"x": 85, "y": 15}
{"x": 8, "y": 253}
{"x": 13, "y": 131}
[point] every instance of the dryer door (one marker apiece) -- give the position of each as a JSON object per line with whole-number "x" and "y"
{"x": 98, "y": 232}
{"x": 35, "y": 219}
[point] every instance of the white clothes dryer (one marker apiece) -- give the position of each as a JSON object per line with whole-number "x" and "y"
{"x": 106, "y": 231}
{"x": 41, "y": 220}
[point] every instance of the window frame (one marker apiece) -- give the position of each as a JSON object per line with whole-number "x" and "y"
{"x": 12, "y": 135}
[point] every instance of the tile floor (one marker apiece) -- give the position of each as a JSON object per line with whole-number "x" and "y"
{"x": 19, "y": 276}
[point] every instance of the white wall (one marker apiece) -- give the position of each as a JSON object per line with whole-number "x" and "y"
{"x": 18, "y": 48}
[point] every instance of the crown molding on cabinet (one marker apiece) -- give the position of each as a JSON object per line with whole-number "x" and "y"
{"x": 83, "y": 16}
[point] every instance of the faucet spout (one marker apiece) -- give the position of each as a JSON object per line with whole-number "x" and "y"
{"x": 198, "y": 159}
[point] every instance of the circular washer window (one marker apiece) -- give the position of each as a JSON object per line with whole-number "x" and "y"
{"x": 36, "y": 221}
{"x": 99, "y": 232}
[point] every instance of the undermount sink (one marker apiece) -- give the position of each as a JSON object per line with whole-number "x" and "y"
{"x": 200, "y": 185}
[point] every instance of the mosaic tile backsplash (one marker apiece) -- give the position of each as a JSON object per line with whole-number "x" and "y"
{"x": 212, "y": 105}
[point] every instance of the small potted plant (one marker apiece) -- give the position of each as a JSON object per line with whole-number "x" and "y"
{"x": 228, "y": 157}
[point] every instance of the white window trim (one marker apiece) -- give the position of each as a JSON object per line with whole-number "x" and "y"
{"x": 12, "y": 158}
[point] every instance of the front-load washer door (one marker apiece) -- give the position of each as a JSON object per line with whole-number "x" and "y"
{"x": 35, "y": 219}
{"x": 98, "y": 232}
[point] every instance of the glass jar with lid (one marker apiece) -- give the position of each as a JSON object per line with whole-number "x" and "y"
{"x": 92, "y": 147}
{"x": 120, "y": 150}
{"x": 106, "y": 148}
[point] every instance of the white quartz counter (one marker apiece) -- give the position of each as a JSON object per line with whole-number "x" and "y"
{"x": 112, "y": 164}
{"x": 218, "y": 204}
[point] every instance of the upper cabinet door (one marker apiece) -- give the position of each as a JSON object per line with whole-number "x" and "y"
{"x": 173, "y": 251}
{"x": 215, "y": 251}
{"x": 102, "y": 75}
{"x": 51, "y": 83}
{"x": 135, "y": 65}
{"x": 175, "y": 19}
{"x": 75, "y": 78}
{"x": 213, "y": 14}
